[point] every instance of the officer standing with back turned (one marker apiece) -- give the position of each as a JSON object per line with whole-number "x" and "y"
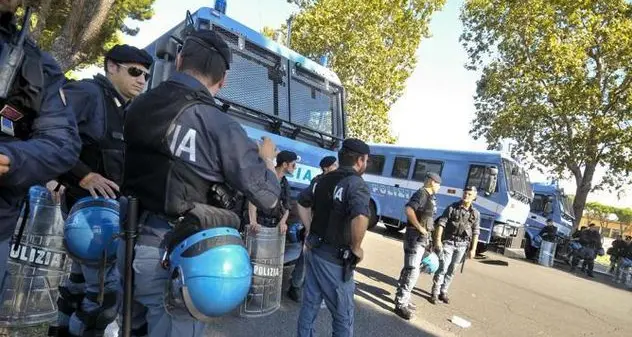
{"x": 420, "y": 211}
{"x": 38, "y": 133}
{"x": 179, "y": 148}
{"x": 340, "y": 204}
{"x": 99, "y": 107}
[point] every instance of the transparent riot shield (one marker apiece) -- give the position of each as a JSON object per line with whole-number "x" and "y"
{"x": 266, "y": 248}
{"x": 36, "y": 267}
{"x": 547, "y": 253}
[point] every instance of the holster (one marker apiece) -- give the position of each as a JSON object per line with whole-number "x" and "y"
{"x": 349, "y": 261}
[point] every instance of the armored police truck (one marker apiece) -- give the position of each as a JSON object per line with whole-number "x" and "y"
{"x": 270, "y": 90}
{"x": 549, "y": 202}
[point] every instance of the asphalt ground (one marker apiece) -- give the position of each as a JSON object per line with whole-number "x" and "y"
{"x": 499, "y": 296}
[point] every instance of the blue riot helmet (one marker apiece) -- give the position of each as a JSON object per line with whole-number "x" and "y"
{"x": 293, "y": 232}
{"x": 210, "y": 274}
{"x": 92, "y": 229}
{"x": 575, "y": 245}
{"x": 430, "y": 263}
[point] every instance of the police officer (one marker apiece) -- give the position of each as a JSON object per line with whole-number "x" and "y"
{"x": 99, "y": 108}
{"x": 616, "y": 251}
{"x": 420, "y": 211}
{"x": 179, "y": 147}
{"x": 340, "y": 204}
{"x": 38, "y": 133}
{"x": 548, "y": 232}
{"x": 327, "y": 164}
{"x": 285, "y": 164}
{"x": 590, "y": 239}
{"x": 456, "y": 230}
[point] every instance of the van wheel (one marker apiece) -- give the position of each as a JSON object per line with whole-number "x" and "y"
{"x": 372, "y": 215}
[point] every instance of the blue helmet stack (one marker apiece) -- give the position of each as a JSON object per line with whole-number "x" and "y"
{"x": 92, "y": 229}
{"x": 210, "y": 274}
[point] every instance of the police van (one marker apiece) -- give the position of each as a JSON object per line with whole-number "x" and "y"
{"x": 394, "y": 173}
{"x": 549, "y": 202}
{"x": 270, "y": 90}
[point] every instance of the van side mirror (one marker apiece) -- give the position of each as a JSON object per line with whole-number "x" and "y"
{"x": 490, "y": 180}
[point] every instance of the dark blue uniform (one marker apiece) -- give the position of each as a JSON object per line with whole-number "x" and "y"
{"x": 324, "y": 277}
{"x": 202, "y": 146}
{"x": 51, "y": 149}
{"x": 90, "y": 105}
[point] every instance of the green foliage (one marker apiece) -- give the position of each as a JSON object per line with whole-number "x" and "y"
{"x": 78, "y": 32}
{"x": 371, "y": 46}
{"x": 556, "y": 79}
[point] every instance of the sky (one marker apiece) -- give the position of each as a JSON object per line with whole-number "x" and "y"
{"x": 437, "y": 106}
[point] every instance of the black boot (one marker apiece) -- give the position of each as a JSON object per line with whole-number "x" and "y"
{"x": 404, "y": 312}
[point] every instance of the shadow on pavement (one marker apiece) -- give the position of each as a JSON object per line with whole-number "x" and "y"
{"x": 495, "y": 262}
{"x": 369, "y": 321}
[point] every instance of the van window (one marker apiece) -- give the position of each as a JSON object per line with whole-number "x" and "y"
{"x": 424, "y": 166}
{"x": 476, "y": 177}
{"x": 375, "y": 164}
{"x": 401, "y": 167}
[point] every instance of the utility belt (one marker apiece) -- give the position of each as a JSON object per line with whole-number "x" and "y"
{"x": 165, "y": 232}
{"x": 342, "y": 256}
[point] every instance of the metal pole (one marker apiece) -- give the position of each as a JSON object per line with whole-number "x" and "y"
{"x": 130, "y": 236}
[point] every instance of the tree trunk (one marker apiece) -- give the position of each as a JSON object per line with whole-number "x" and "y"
{"x": 584, "y": 184}
{"x": 82, "y": 26}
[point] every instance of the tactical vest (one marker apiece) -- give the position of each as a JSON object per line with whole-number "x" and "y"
{"x": 272, "y": 217}
{"x": 330, "y": 222}
{"x": 22, "y": 106}
{"x": 460, "y": 223}
{"x": 105, "y": 156}
{"x": 163, "y": 185}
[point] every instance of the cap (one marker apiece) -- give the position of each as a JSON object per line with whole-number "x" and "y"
{"x": 127, "y": 54}
{"x": 209, "y": 39}
{"x": 327, "y": 161}
{"x": 356, "y": 145}
{"x": 549, "y": 220}
{"x": 433, "y": 176}
{"x": 471, "y": 189}
{"x": 285, "y": 157}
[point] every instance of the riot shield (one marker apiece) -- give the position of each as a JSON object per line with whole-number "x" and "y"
{"x": 37, "y": 265}
{"x": 266, "y": 248}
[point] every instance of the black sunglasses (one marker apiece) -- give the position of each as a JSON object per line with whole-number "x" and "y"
{"x": 135, "y": 71}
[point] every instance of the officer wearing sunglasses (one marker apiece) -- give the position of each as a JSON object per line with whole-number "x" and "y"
{"x": 99, "y": 107}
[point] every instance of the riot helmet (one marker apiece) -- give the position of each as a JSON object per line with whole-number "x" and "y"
{"x": 209, "y": 274}
{"x": 92, "y": 230}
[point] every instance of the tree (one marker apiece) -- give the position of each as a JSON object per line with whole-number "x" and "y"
{"x": 625, "y": 218}
{"x": 600, "y": 212}
{"x": 371, "y": 45}
{"x": 78, "y": 32}
{"x": 555, "y": 78}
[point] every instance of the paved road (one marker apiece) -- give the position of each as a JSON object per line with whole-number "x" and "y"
{"x": 499, "y": 296}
